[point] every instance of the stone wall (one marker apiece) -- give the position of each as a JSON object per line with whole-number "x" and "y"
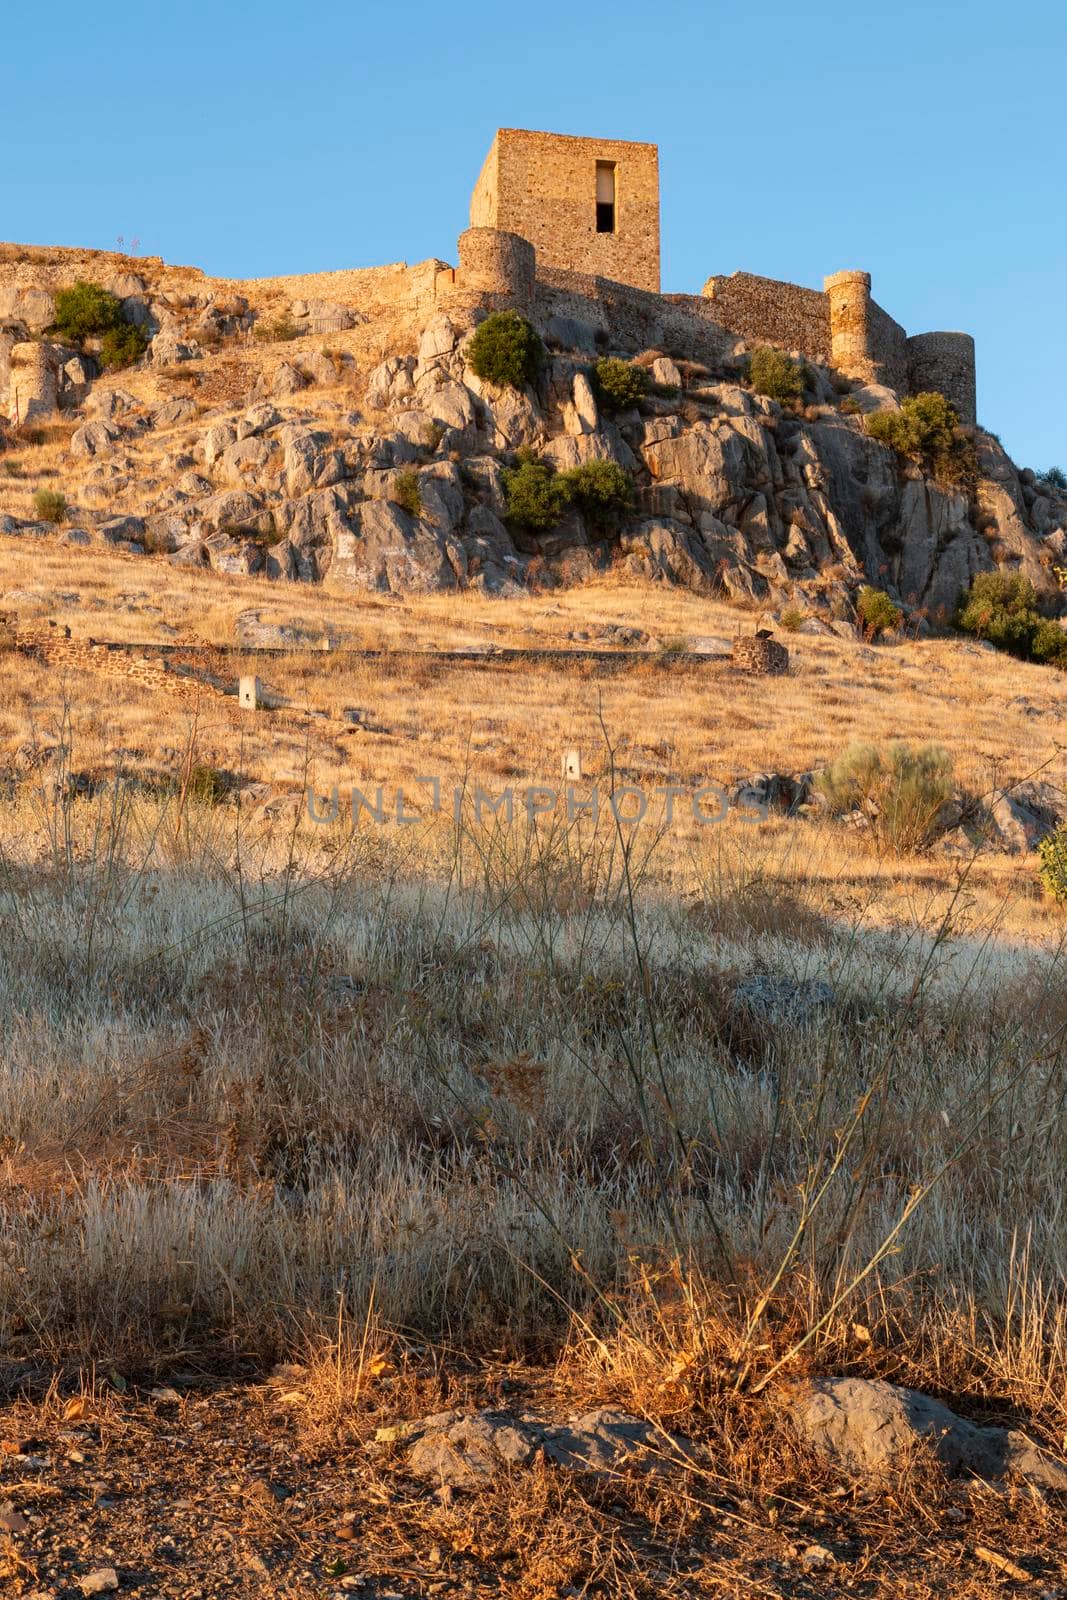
{"x": 32, "y": 381}
{"x": 543, "y": 187}
{"x": 945, "y": 361}
{"x": 499, "y": 267}
{"x": 632, "y": 319}
{"x": 763, "y": 309}
{"x": 888, "y": 345}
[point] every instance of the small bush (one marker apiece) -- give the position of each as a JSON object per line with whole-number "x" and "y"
{"x": 49, "y": 505}
{"x": 776, "y": 375}
{"x": 926, "y": 429}
{"x": 122, "y": 346}
{"x": 602, "y": 490}
{"x": 535, "y": 496}
{"x": 1002, "y": 608}
{"x": 406, "y": 492}
{"x": 901, "y": 790}
{"x": 505, "y": 349}
{"x": 206, "y": 786}
{"x": 791, "y": 619}
{"x": 849, "y": 406}
{"x": 877, "y": 613}
{"x": 1049, "y": 644}
{"x": 1052, "y": 855}
{"x": 619, "y": 385}
{"x": 86, "y": 310}
{"x": 279, "y": 331}
{"x": 265, "y": 538}
{"x": 1053, "y": 478}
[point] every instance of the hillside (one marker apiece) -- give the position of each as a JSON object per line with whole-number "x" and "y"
{"x": 486, "y": 1109}
{"x": 371, "y": 458}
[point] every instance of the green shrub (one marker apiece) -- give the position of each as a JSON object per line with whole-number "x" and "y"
{"x": 619, "y": 385}
{"x": 1052, "y": 854}
{"x": 505, "y": 349}
{"x": 776, "y": 375}
{"x": 901, "y": 790}
{"x": 1001, "y": 607}
{"x": 122, "y": 346}
{"x": 877, "y": 613}
{"x": 1053, "y": 477}
{"x": 279, "y": 331}
{"x": 535, "y": 496}
{"x": 849, "y": 406}
{"x": 1049, "y": 644}
{"x": 86, "y": 310}
{"x": 406, "y": 492}
{"x": 602, "y": 490}
{"x": 49, "y": 505}
{"x": 206, "y": 785}
{"x": 791, "y": 619}
{"x": 926, "y": 429}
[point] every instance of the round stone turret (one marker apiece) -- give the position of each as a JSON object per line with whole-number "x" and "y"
{"x": 849, "y": 294}
{"x": 945, "y": 362}
{"x": 496, "y": 268}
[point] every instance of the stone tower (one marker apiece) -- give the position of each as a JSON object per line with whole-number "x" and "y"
{"x": 586, "y": 205}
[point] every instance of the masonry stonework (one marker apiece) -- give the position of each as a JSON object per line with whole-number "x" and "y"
{"x": 945, "y": 361}
{"x": 544, "y": 186}
{"x": 563, "y": 228}
{"x": 763, "y": 308}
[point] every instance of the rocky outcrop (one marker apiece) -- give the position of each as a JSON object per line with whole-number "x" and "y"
{"x": 732, "y": 494}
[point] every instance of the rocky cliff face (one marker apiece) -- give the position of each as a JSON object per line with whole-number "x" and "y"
{"x": 299, "y": 463}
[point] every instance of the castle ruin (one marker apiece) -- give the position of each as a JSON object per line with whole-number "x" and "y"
{"x": 590, "y": 208}
{"x": 565, "y": 229}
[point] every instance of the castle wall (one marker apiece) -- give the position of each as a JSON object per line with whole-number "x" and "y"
{"x": 763, "y": 309}
{"x": 634, "y": 318}
{"x": 542, "y": 186}
{"x": 498, "y": 266}
{"x": 888, "y": 348}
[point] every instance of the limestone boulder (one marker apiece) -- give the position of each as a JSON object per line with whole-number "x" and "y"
{"x": 308, "y": 461}
{"x": 391, "y": 382}
{"x": 666, "y": 552}
{"x": 464, "y": 1449}
{"x": 385, "y": 549}
{"x": 94, "y": 438}
{"x": 870, "y": 1429}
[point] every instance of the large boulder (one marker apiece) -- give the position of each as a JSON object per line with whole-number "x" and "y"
{"x": 869, "y": 1428}
{"x": 93, "y": 438}
{"x": 383, "y": 548}
{"x": 308, "y": 461}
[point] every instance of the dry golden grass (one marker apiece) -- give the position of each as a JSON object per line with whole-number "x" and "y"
{"x": 451, "y": 1115}
{"x": 505, "y": 723}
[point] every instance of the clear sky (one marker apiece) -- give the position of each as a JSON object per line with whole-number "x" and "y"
{"x": 925, "y": 142}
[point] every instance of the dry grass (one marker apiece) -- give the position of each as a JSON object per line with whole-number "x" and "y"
{"x": 453, "y": 1114}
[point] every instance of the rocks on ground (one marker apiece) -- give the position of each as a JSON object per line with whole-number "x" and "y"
{"x": 462, "y": 1449}
{"x": 870, "y": 1428}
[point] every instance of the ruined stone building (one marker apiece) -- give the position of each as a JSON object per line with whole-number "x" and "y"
{"x": 564, "y": 228}
{"x": 591, "y": 207}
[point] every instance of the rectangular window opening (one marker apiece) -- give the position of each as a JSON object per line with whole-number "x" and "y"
{"x": 605, "y": 197}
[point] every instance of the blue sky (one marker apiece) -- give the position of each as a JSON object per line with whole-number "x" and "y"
{"x": 926, "y": 143}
